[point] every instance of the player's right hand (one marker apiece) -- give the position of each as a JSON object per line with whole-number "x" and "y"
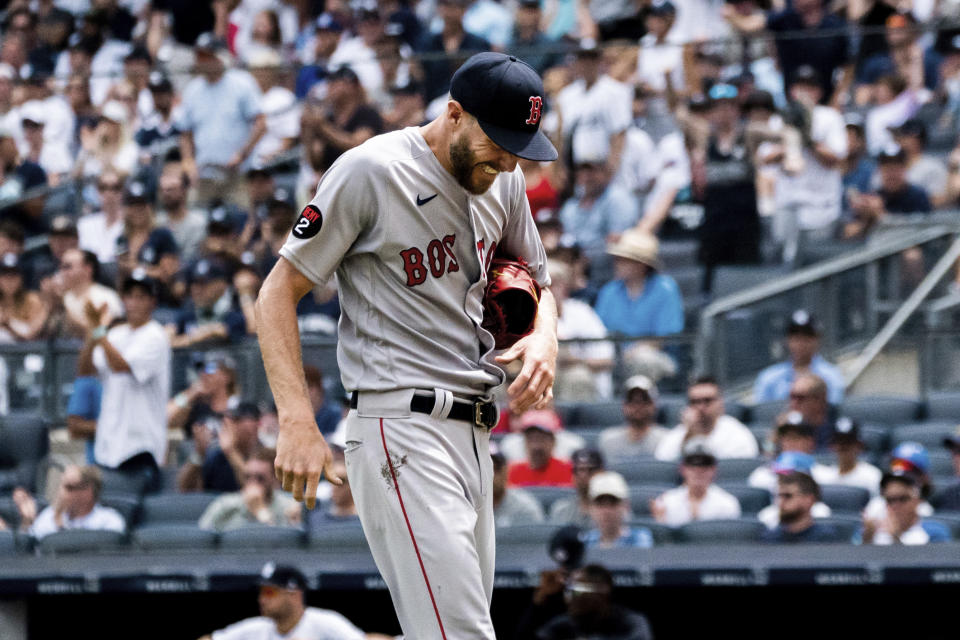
{"x": 302, "y": 458}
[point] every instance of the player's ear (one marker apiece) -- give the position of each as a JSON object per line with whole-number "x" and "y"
{"x": 456, "y": 116}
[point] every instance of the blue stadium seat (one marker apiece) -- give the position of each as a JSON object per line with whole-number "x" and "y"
{"x": 599, "y": 414}
{"x": 951, "y": 521}
{"x": 751, "y": 499}
{"x": 8, "y": 543}
{"x": 127, "y": 505}
{"x": 116, "y": 482}
{"x": 732, "y": 531}
{"x": 669, "y": 408}
{"x": 23, "y": 443}
{"x": 844, "y": 499}
{"x": 10, "y": 513}
{"x": 183, "y": 508}
{"x": 548, "y": 495}
{"x": 647, "y": 471}
{"x": 262, "y": 537}
{"x": 535, "y": 534}
{"x": 81, "y": 541}
{"x": 679, "y": 253}
{"x": 941, "y": 464}
{"x": 567, "y": 412}
{"x": 641, "y": 495}
{"x": 737, "y": 469}
{"x": 943, "y": 405}
{"x": 889, "y": 410}
{"x": 929, "y": 434}
{"x": 337, "y": 536}
{"x": 876, "y": 438}
{"x": 590, "y": 436}
{"x": 662, "y": 534}
{"x": 846, "y": 526}
{"x": 172, "y": 537}
{"x": 765, "y": 413}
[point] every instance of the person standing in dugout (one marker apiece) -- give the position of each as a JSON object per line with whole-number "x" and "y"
{"x": 410, "y": 222}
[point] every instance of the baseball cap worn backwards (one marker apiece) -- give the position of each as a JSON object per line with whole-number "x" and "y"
{"x": 505, "y": 95}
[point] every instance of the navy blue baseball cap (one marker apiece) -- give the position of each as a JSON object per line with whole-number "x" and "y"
{"x": 505, "y": 95}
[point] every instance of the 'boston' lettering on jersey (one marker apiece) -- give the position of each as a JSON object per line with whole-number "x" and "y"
{"x": 437, "y": 255}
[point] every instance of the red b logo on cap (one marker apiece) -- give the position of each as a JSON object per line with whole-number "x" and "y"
{"x": 536, "y": 104}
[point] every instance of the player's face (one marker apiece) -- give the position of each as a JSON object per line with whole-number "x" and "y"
{"x": 476, "y": 159}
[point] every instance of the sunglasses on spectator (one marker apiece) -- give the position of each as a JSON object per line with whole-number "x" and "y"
{"x": 901, "y": 499}
{"x": 109, "y": 186}
{"x": 75, "y": 486}
{"x": 786, "y": 495}
{"x": 704, "y": 400}
{"x": 800, "y": 396}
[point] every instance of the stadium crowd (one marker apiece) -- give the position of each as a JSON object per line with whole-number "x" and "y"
{"x": 154, "y": 155}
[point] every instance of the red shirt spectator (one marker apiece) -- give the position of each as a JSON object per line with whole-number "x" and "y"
{"x": 540, "y": 467}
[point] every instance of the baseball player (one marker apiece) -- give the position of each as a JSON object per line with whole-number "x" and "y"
{"x": 409, "y": 221}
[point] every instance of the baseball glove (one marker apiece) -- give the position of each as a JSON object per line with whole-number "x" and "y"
{"x": 510, "y": 301}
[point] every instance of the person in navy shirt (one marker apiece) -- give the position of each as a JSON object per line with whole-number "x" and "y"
{"x": 640, "y": 301}
{"x": 803, "y": 344}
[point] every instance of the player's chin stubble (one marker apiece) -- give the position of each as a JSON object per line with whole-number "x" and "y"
{"x": 463, "y": 162}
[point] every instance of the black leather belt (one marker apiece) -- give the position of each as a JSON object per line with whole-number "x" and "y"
{"x": 479, "y": 412}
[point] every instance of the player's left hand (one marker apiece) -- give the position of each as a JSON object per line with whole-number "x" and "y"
{"x": 534, "y": 386}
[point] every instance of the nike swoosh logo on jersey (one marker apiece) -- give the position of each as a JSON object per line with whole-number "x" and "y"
{"x": 423, "y": 201}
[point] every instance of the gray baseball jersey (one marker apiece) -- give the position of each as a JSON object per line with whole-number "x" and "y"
{"x": 410, "y": 247}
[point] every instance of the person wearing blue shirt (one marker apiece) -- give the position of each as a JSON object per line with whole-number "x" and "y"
{"x": 859, "y": 167}
{"x": 609, "y": 509}
{"x": 641, "y": 301}
{"x": 902, "y": 492}
{"x": 326, "y": 415}
{"x": 83, "y": 409}
{"x": 803, "y": 343}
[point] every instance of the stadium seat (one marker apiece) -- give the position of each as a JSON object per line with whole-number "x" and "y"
{"x": 736, "y": 409}
{"x": 548, "y": 495}
{"x": 846, "y": 526}
{"x": 116, "y": 482}
{"x": 876, "y": 438}
{"x": 951, "y": 521}
{"x": 167, "y": 508}
{"x": 761, "y": 433}
{"x": 668, "y": 410}
{"x": 929, "y": 434}
{"x": 943, "y": 488}
{"x": 751, "y": 499}
{"x": 23, "y": 443}
{"x": 662, "y": 534}
{"x": 889, "y": 410}
{"x": 679, "y": 253}
{"x": 536, "y": 534}
{"x": 81, "y": 541}
{"x": 179, "y": 536}
{"x": 732, "y": 531}
{"x": 941, "y": 464}
{"x": 647, "y": 471}
{"x": 737, "y": 469}
{"x": 943, "y": 405}
{"x": 764, "y": 414}
{"x": 262, "y": 537}
{"x": 844, "y": 499}
{"x": 127, "y": 505}
{"x": 8, "y": 543}
{"x": 599, "y": 414}
{"x": 332, "y": 536}
{"x": 567, "y": 412}
{"x": 641, "y": 495}
{"x": 590, "y": 436}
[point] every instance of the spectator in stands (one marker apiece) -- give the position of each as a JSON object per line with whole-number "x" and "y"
{"x": 99, "y": 232}
{"x": 188, "y": 225}
{"x": 327, "y": 33}
{"x": 859, "y": 167}
{"x": 83, "y": 410}
{"x": 454, "y": 41}
{"x": 237, "y": 442}
{"x": 803, "y": 346}
{"x": 279, "y": 106}
{"x": 343, "y": 119}
{"x": 77, "y": 284}
{"x": 77, "y": 506}
{"x": 109, "y": 145}
{"x": 809, "y": 395}
{"x": 284, "y": 614}
{"x": 847, "y": 446}
{"x": 922, "y": 168}
{"x": 948, "y": 498}
{"x": 641, "y": 301}
{"x": 143, "y": 244}
{"x": 580, "y": 607}
{"x": 513, "y": 445}
{"x": 340, "y": 508}
{"x": 575, "y": 510}
{"x": 158, "y": 133}
{"x": 809, "y": 196}
{"x": 792, "y": 435}
{"x": 528, "y": 39}
{"x": 584, "y": 368}
{"x": 724, "y": 179}
{"x": 407, "y": 108}
{"x": 903, "y": 522}
{"x": 511, "y": 505}
{"x": 698, "y": 498}
{"x": 726, "y": 437}
{"x": 258, "y": 502}
{"x": 23, "y": 313}
{"x": 910, "y": 458}
{"x": 326, "y": 415}
{"x": 132, "y": 360}
{"x": 210, "y": 314}
{"x": 221, "y": 123}
{"x": 19, "y": 178}
{"x": 540, "y": 466}
{"x": 895, "y": 195}
{"x": 609, "y": 511}
{"x": 902, "y": 55}
{"x": 640, "y": 435}
{"x": 40, "y": 263}
{"x": 54, "y": 162}
{"x": 789, "y": 463}
{"x": 796, "y": 495}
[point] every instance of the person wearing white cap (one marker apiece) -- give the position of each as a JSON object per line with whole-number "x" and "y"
{"x": 641, "y": 301}
{"x": 51, "y": 159}
{"x": 640, "y": 434}
{"x": 279, "y": 106}
{"x": 609, "y": 510}
{"x": 697, "y": 498}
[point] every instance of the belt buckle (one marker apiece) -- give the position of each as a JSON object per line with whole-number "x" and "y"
{"x": 484, "y": 414}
